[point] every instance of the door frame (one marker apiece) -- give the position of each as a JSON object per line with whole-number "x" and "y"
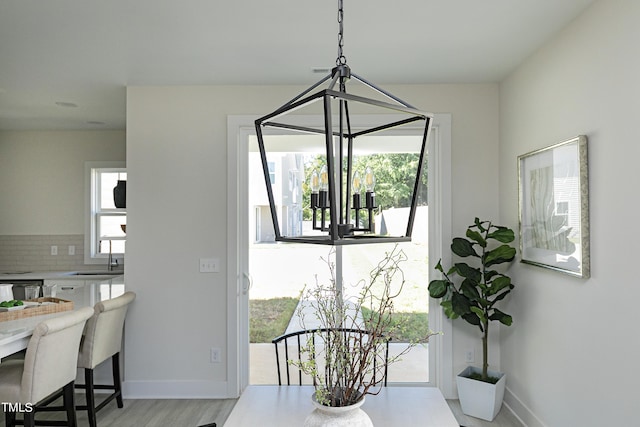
{"x": 238, "y": 280}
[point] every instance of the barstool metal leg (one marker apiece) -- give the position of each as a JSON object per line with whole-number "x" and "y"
{"x": 10, "y": 419}
{"x": 89, "y": 393}
{"x": 117, "y": 384}
{"x": 30, "y": 419}
{"x": 70, "y": 404}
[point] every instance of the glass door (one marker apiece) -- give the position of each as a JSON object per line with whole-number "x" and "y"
{"x": 280, "y": 271}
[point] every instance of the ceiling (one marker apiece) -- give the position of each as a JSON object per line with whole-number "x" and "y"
{"x": 65, "y": 64}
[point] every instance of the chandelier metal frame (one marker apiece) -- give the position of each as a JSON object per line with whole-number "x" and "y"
{"x": 338, "y": 229}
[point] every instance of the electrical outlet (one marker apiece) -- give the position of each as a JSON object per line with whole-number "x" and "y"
{"x": 72, "y": 250}
{"x": 54, "y": 250}
{"x": 215, "y": 355}
{"x": 469, "y": 356}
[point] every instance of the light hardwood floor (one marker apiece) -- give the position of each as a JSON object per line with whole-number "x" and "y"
{"x": 504, "y": 418}
{"x": 155, "y": 413}
{"x": 198, "y": 412}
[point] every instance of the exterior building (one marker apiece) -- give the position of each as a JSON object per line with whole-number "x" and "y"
{"x": 286, "y": 173}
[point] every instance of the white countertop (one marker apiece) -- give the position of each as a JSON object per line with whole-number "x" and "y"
{"x": 71, "y": 275}
{"x": 15, "y": 334}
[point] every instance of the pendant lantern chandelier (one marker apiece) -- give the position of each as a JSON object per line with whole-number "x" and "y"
{"x": 342, "y": 201}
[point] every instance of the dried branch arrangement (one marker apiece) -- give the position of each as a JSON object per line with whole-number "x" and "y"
{"x": 347, "y": 355}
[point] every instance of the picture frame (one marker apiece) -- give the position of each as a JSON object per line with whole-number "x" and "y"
{"x": 553, "y": 187}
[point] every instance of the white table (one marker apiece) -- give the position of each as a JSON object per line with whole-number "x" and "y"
{"x": 15, "y": 334}
{"x": 279, "y": 406}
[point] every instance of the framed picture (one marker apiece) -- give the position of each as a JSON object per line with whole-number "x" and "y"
{"x": 554, "y": 207}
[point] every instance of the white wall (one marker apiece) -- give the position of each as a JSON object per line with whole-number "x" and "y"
{"x": 176, "y": 162}
{"x": 42, "y": 178}
{"x": 572, "y": 352}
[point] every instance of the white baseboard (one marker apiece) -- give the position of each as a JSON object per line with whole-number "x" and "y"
{"x": 520, "y": 410}
{"x": 175, "y": 390}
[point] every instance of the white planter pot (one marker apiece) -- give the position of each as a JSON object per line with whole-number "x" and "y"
{"x": 339, "y": 416}
{"x": 478, "y": 398}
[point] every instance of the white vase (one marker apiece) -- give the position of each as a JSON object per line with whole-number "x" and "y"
{"x": 338, "y": 416}
{"x": 478, "y": 398}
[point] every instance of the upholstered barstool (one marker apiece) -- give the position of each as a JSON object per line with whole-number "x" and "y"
{"x": 102, "y": 340}
{"x": 49, "y": 366}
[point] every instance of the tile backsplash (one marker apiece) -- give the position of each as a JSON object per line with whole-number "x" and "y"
{"x": 22, "y": 253}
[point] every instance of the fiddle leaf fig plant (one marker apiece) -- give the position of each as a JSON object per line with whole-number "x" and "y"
{"x": 471, "y": 291}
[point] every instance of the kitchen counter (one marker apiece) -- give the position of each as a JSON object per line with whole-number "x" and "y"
{"x": 84, "y": 287}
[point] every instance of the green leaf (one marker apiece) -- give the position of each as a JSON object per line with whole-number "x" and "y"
{"x": 478, "y": 312}
{"x": 503, "y": 253}
{"x": 498, "y": 284}
{"x": 438, "y": 288}
{"x": 483, "y": 287}
{"x": 477, "y": 237}
{"x": 439, "y": 266}
{"x": 483, "y": 303}
{"x": 489, "y": 274}
{"x": 447, "y": 307}
{"x": 469, "y": 290}
{"x": 502, "y": 234}
{"x": 469, "y": 272}
{"x": 502, "y": 317}
{"x": 463, "y": 248}
{"x": 473, "y": 319}
{"x": 460, "y": 304}
{"x": 478, "y": 224}
{"x": 502, "y": 295}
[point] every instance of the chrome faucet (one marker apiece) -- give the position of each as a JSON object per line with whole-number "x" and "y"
{"x": 111, "y": 261}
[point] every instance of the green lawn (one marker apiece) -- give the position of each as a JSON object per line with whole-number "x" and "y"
{"x": 269, "y": 318}
{"x": 411, "y": 327}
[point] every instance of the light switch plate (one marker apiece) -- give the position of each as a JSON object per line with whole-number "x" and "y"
{"x": 209, "y": 265}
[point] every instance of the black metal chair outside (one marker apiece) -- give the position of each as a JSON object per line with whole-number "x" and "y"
{"x": 297, "y": 339}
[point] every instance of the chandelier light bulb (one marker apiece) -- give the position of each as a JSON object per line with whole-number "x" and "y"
{"x": 356, "y": 183}
{"x": 324, "y": 178}
{"x": 314, "y": 182}
{"x": 369, "y": 180}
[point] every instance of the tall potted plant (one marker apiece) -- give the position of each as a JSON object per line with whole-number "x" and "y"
{"x": 346, "y": 367}
{"x": 472, "y": 291}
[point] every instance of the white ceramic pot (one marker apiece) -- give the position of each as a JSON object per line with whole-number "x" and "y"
{"x": 6, "y": 292}
{"x": 478, "y": 398}
{"x": 339, "y": 416}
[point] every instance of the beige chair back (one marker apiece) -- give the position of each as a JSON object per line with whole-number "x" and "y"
{"x": 103, "y": 333}
{"x": 52, "y": 353}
